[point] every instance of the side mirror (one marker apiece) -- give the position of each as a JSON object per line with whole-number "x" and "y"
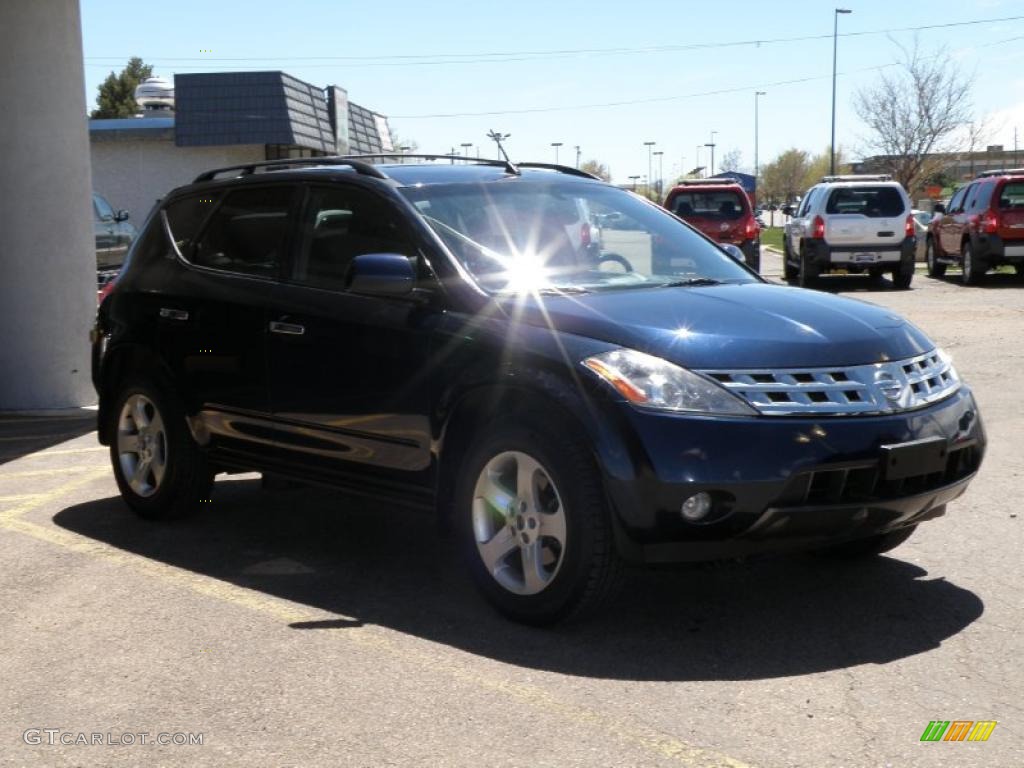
{"x": 938, "y": 208}
{"x": 734, "y": 252}
{"x": 121, "y": 215}
{"x": 382, "y": 274}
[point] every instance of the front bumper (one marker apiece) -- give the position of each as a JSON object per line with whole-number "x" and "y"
{"x": 783, "y": 483}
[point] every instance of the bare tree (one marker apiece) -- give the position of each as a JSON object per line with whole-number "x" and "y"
{"x": 914, "y": 113}
{"x": 731, "y": 161}
{"x": 597, "y": 168}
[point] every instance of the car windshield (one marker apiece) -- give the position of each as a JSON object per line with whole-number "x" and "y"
{"x": 723, "y": 205}
{"x": 517, "y": 236}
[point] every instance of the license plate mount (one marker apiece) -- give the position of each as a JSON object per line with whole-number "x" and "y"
{"x": 918, "y": 457}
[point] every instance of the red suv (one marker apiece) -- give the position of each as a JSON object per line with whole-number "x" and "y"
{"x": 981, "y": 228}
{"x": 721, "y": 210}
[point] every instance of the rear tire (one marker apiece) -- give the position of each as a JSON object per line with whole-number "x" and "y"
{"x": 789, "y": 271}
{"x": 974, "y": 268}
{"x": 903, "y": 275}
{"x": 533, "y": 522}
{"x": 935, "y": 269}
{"x": 809, "y": 272}
{"x": 871, "y": 546}
{"x": 160, "y": 470}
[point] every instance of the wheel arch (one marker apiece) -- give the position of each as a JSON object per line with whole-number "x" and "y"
{"x": 583, "y": 410}
{"x": 118, "y": 363}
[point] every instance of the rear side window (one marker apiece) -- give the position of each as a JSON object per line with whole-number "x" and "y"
{"x": 957, "y": 200}
{"x": 247, "y": 232}
{"x": 339, "y": 224}
{"x": 1011, "y": 196}
{"x": 185, "y": 218}
{"x": 980, "y": 196}
{"x": 805, "y": 204}
{"x": 873, "y": 202}
{"x": 725, "y": 205}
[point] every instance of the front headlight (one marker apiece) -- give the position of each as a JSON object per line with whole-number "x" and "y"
{"x": 651, "y": 382}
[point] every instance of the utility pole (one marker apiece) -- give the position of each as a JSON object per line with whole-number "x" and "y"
{"x": 835, "y": 40}
{"x": 452, "y": 155}
{"x": 577, "y": 148}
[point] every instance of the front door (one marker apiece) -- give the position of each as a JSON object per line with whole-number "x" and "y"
{"x": 349, "y": 378}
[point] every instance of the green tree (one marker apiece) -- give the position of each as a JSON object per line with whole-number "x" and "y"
{"x": 597, "y": 168}
{"x": 783, "y": 178}
{"x": 116, "y": 96}
{"x": 820, "y": 165}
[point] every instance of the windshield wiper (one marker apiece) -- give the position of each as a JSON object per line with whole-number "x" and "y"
{"x": 690, "y": 281}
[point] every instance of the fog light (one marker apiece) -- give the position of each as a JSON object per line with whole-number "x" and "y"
{"x": 696, "y": 507}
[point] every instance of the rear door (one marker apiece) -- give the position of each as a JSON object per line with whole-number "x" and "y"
{"x": 212, "y": 316}
{"x": 865, "y": 216}
{"x": 799, "y": 224}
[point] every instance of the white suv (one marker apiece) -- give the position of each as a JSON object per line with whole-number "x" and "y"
{"x": 855, "y": 223}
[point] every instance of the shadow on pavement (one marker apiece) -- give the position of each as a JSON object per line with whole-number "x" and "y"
{"x": 382, "y": 565}
{"x": 22, "y": 435}
{"x": 865, "y": 284}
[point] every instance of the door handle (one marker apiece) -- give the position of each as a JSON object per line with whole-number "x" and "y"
{"x": 288, "y": 329}
{"x": 169, "y": 313}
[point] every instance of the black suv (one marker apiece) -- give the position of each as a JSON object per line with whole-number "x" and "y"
{"x": 444, "y": 336}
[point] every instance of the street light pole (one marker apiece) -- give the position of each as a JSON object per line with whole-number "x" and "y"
{"x": 556, "y": 145}
{"x": 712, "y": 145}
{"x": 756, "y": 168}
{"x": 465, "y": 147}
{"x": 649, "y": 144}
{"x": 835, "y": 41}
{"x": 577, "y": 148}
{"x": 633, "y": 179}
{"x": 661, "y": 171}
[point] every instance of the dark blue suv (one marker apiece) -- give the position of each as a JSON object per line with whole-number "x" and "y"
{"x": 570, "y": 377}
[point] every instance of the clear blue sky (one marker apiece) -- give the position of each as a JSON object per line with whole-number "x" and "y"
{"x": 437, "y": 58}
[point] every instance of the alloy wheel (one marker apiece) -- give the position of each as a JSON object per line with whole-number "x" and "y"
{"x": 142, "y": 445}
{"x": 519, "y": 523}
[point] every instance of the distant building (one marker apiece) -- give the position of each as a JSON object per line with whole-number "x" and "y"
{"x": 218, "y": 119}
{"x": 957, "y": 167}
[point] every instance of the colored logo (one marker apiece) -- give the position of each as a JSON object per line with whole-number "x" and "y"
{"x": 958, "y": 730}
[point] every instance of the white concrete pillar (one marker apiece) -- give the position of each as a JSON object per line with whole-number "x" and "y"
{"x": 47, "y": 253}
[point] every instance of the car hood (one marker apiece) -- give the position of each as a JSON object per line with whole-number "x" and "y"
{"x": 747, "y": 325}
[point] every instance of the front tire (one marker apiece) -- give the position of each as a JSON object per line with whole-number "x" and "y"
{"x": 160, "y": 470}
{"x": 533, "y": 523}
{"x": 872, "y": 546}
{"x": 935, "y": 269}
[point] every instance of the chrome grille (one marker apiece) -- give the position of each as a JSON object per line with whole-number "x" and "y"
{"x": 887, "y": 387}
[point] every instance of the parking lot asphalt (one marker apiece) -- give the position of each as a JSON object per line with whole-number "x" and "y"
{"x": 302, "y": 627}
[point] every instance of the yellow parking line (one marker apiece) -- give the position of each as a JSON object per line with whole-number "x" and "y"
{"x": 45, "y": 472}
{"x": 13, "y": 438}
{"x": 650, "y": 739}
{"x": 65, "y": 451}
{"x": 18, "y": 497}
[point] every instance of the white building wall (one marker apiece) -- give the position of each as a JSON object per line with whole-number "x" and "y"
{"x": 134, "y": 173}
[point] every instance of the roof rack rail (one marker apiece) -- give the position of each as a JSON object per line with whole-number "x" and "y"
{"x": 858, "y": 177}
{"x": 708, "y": 181}
{"x": 247, "y": 169}
{"x": 1001, "y": 172}
{"x": 509, "y": 167}
{"x": 567, "y": 169}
